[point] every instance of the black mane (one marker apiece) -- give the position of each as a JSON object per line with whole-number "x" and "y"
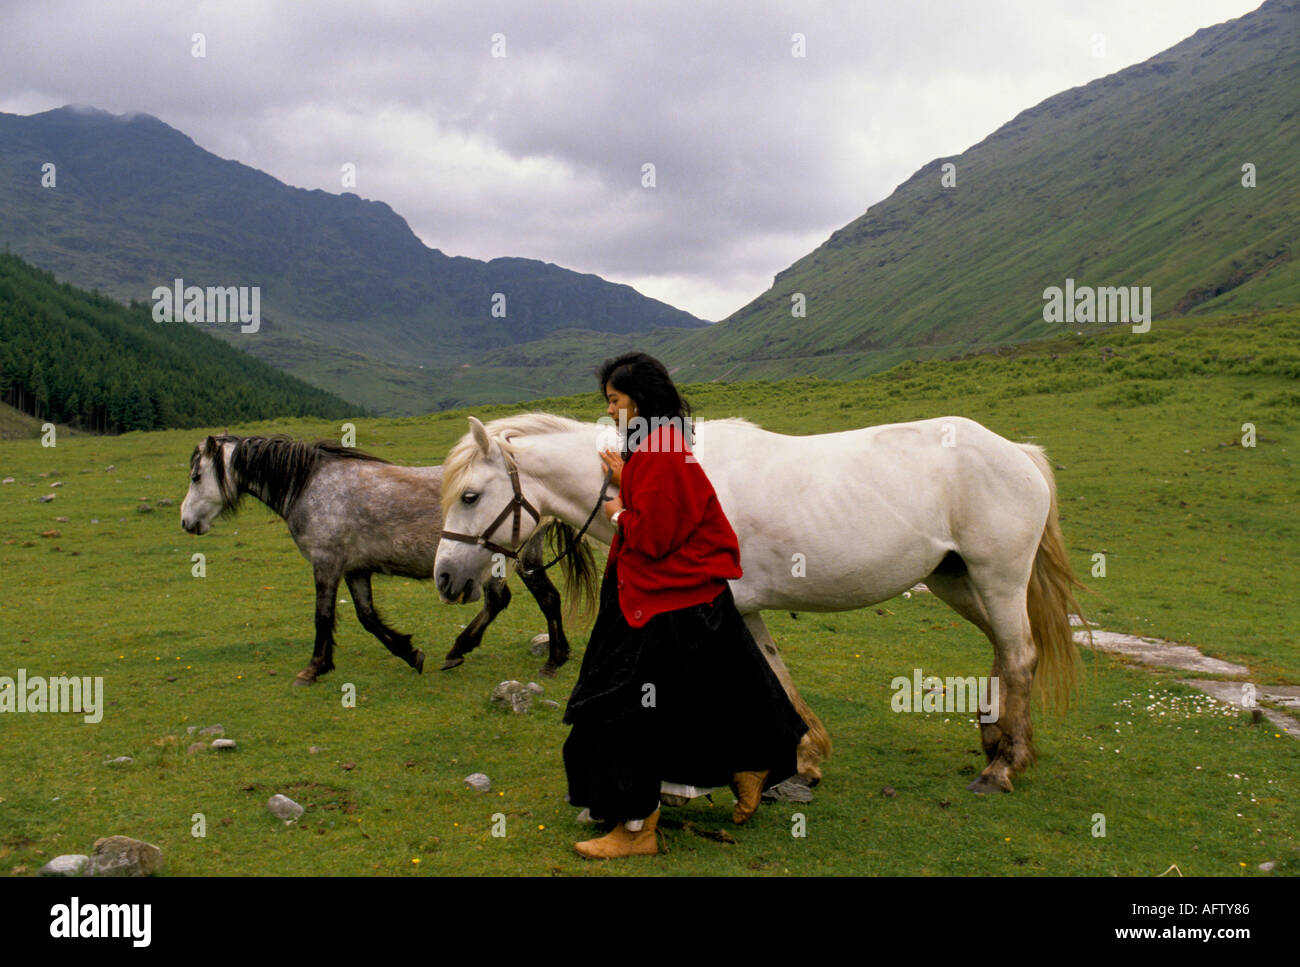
{"x": 276, "y": 468}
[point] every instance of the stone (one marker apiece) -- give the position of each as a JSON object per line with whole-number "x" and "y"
{"x": 788, "y": 791}
{"x": 46, "y": 499}
{"x": 196, "y": 747}
{"x": 69, "y": 864}
{"x": 535, "y": 688}
{"x": 540, "y": 645}
{"x": 122, "y": 760}
{"x": 282, "y": 807}
{"x": 57, "y": 483}
{"x": 223, "y": 743}
{"x": 165, "y": 502}
{"x": 51, "y": 533}
{"x": 1267, "y": 867}
{"x": 1156, "y": 651}
{"x": 513, "y": 696}
{"x": 550, "y": 703}
{"x": 60, "y": 520}
{"x": 124, "y": 856}
{"x": 315, "y": 749}
{"x": 144, "y": 509}
{"x": 213, "y": 730}
{"x": 9, "y": 480}
{"x": 479, "y": 782}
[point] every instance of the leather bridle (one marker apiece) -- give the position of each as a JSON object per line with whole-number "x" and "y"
{"x": 518, "y": 504}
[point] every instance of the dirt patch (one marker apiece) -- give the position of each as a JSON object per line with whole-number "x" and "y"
{"x": 315, "y": 795}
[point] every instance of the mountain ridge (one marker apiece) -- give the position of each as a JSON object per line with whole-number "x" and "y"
{"x": 1134, "y": 178}
{"x": 137, "y": 203}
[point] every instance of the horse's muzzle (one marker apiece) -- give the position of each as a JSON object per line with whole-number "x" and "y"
{"x": 467, "y": 592}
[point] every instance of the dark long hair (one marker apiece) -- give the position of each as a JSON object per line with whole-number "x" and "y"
{"x": 646, "y": 381}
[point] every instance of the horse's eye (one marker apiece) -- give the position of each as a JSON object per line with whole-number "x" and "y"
{"x": 468, "y": 498}
{"x": 194, "y": 478}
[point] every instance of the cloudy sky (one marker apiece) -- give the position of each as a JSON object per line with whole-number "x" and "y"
{"x": 758, "y": 154}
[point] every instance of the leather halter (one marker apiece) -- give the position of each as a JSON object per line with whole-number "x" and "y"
{"x": 518, "y": 504}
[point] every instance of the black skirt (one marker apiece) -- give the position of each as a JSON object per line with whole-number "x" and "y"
{"x": 686, "y": 698}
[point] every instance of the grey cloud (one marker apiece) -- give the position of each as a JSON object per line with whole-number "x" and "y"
{"x": 539, "y": 153}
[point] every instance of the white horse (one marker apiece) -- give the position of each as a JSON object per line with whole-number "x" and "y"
{"x": 831, "y": 522}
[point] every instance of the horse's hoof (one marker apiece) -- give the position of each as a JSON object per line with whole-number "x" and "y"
{"x": 418, "y": 661}
{"x": 452, "y": 663}
{"x": 305, "y": 678}
{"x": 547, "y": 671}
{"x": 987, "y": 784}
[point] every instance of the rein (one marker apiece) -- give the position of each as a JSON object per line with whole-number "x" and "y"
{"x": 518, "y": 504}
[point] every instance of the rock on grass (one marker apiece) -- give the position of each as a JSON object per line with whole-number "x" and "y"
{"x": 514, "y": 696}
{"x": 282, "y": 807}
{"x": 124, "y": 856}
{"x": 70, "y": 864}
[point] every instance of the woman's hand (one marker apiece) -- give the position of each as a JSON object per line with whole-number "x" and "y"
{"x": 613, "y": 506}
{"x": 613, "y": 462}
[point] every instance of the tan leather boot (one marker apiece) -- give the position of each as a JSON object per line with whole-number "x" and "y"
{"x": 748, "y": 787}
{"x": 623, "y": 842}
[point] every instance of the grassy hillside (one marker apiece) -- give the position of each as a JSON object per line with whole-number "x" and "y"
{"x": 1132, "y": 180}
{"x": 1201, "y": 538}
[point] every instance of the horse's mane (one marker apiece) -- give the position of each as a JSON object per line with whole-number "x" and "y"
{"x": 461, "y": 459}
{"x": 279, "y": 467}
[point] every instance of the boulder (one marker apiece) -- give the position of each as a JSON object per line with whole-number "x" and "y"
{"x": 282, "y": 807}
{"x": 70, "y": 864}
{"x": 124, "y": 856}
{"x": 513, "y": 696}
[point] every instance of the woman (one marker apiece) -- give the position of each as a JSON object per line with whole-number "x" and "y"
{"x": 673, "y": 687}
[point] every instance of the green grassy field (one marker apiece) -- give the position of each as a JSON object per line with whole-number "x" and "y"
{"x": 1201, "y": 546}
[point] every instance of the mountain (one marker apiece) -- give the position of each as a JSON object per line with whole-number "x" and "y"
{"x": 352, "y": 299}
{"x": 1135, "y": 179}
{"x": 79, "y": 358}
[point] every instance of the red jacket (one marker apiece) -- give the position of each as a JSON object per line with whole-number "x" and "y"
{"x": 673, "y": 545}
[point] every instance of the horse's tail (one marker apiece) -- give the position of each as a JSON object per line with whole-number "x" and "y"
{"x": 1051, "y": 601}
{"x": 579, "y": 569}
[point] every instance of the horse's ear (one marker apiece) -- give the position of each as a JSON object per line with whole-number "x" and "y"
{"x": 209, "y": 446}
{"x": 480, "y": 435}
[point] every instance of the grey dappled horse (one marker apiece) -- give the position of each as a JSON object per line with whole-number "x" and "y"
{"x": 353, "y": 515}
